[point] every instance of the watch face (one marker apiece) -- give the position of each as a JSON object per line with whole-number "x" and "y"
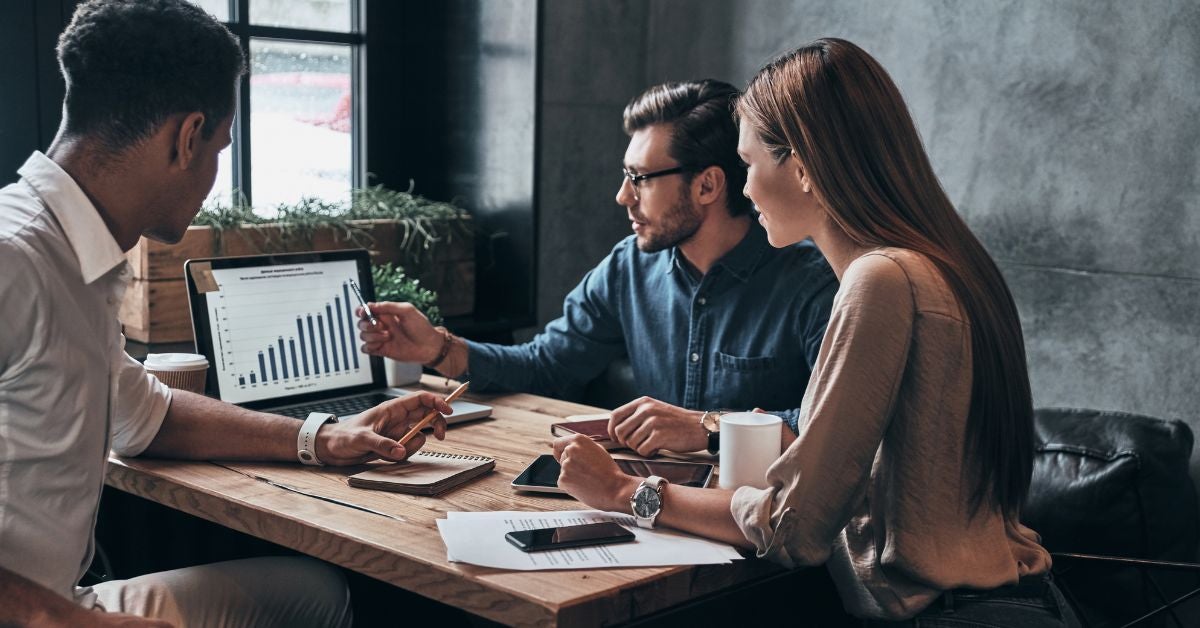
{"x": 711, "y": 421}
{"x": 646, "y": 502}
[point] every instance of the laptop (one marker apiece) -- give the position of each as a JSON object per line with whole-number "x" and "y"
{"x": 280, "y": 334}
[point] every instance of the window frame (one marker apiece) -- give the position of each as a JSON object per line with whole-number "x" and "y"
{"x": 241, "y": 148}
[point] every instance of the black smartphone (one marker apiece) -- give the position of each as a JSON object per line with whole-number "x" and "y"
{"x": 602, "y": 533}
{"x": 541, "y": 475}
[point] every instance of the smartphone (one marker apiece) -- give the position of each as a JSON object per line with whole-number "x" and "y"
{"x": 603, "y": 533}
{"x": 541, "y": 476}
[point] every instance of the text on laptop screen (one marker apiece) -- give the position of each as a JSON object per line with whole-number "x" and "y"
{"x": 285, "y": 330}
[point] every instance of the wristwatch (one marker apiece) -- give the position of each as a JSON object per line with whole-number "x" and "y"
{"x": 647, "y": 501}
{"x": 306, "y": 440}
{"x": 711, "y": 421}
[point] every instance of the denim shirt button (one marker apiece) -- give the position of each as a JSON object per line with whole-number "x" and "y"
{"x": 702, "y": 301}
{"x": 695, "y": 357}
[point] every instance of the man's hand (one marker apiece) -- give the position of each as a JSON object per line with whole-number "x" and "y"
{"x": 590, "y": 475}
{"x": 646, "y": 425}
{"x": 403, "y": 333}
{"x": 374, "y": 433}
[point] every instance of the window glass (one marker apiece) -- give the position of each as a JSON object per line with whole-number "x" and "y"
{"x": 321, "y": 15}
{"x": 218, "y": 8}
{"x": 300, "y": 122}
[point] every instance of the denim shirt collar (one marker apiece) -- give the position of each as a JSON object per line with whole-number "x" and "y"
{"x": 740, "y": 261}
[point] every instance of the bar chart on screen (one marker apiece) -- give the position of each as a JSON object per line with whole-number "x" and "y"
{"x": 285, "y": 330}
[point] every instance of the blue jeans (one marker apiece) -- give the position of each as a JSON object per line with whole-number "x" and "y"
{"x": 1029, "y": 605}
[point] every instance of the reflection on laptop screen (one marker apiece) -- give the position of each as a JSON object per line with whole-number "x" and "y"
{"x": 281, "y": 330}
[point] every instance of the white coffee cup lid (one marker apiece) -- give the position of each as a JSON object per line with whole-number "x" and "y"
{"x": 750, "y": 419}
{"x": 176, "y": 361}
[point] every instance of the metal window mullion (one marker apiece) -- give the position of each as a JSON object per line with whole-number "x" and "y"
{"x": 239, "y": 10}
{"x": 358, "y": 87}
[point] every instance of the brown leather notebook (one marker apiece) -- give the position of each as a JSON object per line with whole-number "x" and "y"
{"x": 424, "y": 473}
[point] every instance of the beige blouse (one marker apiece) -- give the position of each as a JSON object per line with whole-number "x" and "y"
{"x": 875, "y": 484}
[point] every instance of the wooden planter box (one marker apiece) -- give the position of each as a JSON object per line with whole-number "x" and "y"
{"x": 155, "y": 308}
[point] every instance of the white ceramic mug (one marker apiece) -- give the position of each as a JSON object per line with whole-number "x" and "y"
{"x": 749, "y": 444}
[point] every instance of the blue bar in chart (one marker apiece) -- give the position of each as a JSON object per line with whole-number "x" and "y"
{"x": 242, "y": 380}
{"x": 337, "y": 304}
{"x": 262, "y": 367}
{"x": 324, "y": 353}
{"x": 333, "y": 344}
{"x": 350, "y": 325}
{"x": 312, "y": 342}
{"x": 274, "y": 373}
{"x": 252, "y": 380}
{"x": 303, "y": 351}
{"x": 283, "y": 358}
{"x": 292, "y": 348}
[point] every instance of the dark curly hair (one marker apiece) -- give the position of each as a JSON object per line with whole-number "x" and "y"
{"x": 129, "y": 64}
{"x": 703, "y": 131}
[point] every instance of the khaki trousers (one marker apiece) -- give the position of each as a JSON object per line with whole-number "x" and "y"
{"x": 273, "y": 591}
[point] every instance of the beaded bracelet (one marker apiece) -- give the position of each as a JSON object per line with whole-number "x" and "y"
{"x": 445, "y": 349}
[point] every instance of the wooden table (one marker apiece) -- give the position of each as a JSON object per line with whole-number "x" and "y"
{"x": 408, "y": 551}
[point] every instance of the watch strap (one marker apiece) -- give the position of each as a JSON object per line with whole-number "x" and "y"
{"x": 714, "y": 443}
{"x": 306, "y": 440}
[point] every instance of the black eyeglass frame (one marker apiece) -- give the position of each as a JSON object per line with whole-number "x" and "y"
{"x": 636, "y": 179}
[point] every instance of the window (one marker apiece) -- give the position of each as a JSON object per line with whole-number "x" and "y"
{"x": 299, "y": 122}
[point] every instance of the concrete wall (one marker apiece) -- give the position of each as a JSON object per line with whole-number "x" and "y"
{"x": 1067, "y": 133}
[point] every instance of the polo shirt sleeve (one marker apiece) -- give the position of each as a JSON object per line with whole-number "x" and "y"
{"x": 142, "y": 403}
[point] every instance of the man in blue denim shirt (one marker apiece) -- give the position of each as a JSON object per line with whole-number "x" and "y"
{"x": 709, "y": 314}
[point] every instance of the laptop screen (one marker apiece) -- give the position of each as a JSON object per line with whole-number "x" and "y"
{"x": 281, "y": 328}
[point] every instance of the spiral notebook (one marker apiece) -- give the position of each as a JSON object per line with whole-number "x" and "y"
{"x": 424, "y": 473}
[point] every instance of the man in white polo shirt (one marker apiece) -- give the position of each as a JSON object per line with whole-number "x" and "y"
{"x": 149, "y": 106}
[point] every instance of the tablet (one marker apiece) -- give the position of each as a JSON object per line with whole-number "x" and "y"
{"x": 541, "y": 475}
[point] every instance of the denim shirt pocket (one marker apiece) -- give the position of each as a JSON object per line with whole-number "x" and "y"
{"x": 734, "y": 363}
{"x": 748, "y": 382}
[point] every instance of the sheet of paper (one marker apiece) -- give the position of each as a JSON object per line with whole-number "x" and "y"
{"x": 478, "y": 538}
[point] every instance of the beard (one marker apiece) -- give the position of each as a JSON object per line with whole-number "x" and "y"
{"x": 675, "y": 227}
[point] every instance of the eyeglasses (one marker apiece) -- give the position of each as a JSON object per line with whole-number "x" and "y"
{"x": 635, "y": 180}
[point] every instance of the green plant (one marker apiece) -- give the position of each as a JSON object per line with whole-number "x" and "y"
{"x": 392, "y": 284}
{"x": 425, "y": 223}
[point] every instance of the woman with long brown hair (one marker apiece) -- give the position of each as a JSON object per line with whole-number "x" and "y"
{"x": 915, "y": 446}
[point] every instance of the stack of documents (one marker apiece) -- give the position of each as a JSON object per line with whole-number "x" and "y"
{"x": 478, "y": 538}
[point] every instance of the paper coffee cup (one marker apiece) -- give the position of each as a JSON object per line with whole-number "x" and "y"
{"x": 184, "y": 371}
{"x": 749, "y": 444}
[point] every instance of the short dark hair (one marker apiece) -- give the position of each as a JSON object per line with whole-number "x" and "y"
{"x": 703, "y": 131}
{"x": 129, "y": 64}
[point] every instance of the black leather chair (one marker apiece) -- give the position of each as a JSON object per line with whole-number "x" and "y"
{"x": 1113, "y": 501}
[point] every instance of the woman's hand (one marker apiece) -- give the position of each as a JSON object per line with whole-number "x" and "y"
{"x": 590, "y": 475}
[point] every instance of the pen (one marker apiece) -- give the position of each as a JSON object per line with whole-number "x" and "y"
{"x": 363, "y": 302}
{"x": 432, "y": 413}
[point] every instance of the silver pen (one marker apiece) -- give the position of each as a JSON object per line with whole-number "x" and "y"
{"x": 363, "y": 302}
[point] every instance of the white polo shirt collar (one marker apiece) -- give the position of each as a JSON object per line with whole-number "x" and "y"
{"x": 94, "y": 245}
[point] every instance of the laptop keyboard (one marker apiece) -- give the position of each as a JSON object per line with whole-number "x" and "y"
{"x": 341, "y": 407}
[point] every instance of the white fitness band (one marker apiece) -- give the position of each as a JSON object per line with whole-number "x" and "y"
{"x": 306, "y": 440}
